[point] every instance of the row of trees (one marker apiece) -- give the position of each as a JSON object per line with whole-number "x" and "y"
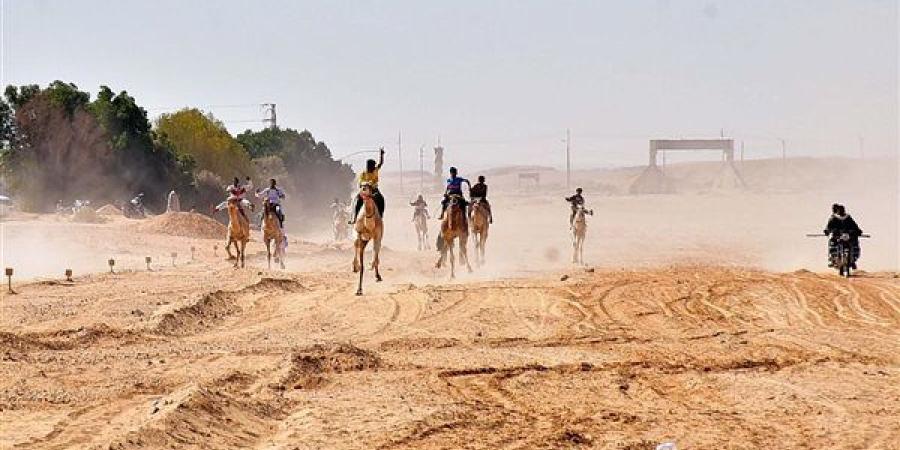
{"x": 58, "y": 144}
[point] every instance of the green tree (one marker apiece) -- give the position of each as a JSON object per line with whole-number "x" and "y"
{"x": 61, "y": 146}
{"x": 314, "y": 176}
{"x": 207, "y": 141}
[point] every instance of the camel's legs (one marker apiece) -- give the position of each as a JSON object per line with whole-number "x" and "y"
{"x": 228, "y": 248}
{"x": 463, "y": 252}
{"x": 376, "y": 247}
{"x": 269, "y": 252}
{"x": 243, "y": 252}
{"x": 360, "y": 253}
{"x": 449, "y": 247}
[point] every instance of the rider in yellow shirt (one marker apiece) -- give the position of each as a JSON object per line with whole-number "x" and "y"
{"x": 370, "y": 177}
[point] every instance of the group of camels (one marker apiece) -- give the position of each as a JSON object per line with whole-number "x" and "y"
{"x": 239, "y": 234}
{"x": 369, "y": 227}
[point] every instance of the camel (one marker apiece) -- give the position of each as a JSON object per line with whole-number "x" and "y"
{"x": 369, "y": 227}
{"x": 421, "y": 223}
{"x": 480, "y": 224}
{"x": 238, "y": 233}
{"x": 273, "y": 234}
{"x": 579, "y": 229}
{"x": 339, "y": 225}
{"x": 453, "y": 227}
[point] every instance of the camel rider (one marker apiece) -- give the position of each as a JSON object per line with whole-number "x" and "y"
{"x": 370, "y": 177}
{"x": 236, "y": 192}
{"x": 840, "y": 222}
{"x": 479, "y": 191}
{"x": 454, "y": 187}
{"x": 576, "y": 201}
{"x": 421, "y": 207}
{"x": 273, "y": 194}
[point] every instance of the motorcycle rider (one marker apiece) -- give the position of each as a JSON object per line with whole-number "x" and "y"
{"x": 137, "y": 204}
{"x": 839, "y": 223}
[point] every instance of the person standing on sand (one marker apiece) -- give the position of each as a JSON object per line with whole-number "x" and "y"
{"x": 173, "y": 204}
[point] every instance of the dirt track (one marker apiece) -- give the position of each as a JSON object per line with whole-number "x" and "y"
{"x": 709, "y": 353}
{"x": 202, "y": 356}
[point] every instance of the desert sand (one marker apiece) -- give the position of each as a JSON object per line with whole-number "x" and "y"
{"x": 703, "y": 318}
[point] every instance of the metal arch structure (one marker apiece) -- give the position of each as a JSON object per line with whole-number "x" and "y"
{"x": 654, "y": 181}
{"x": 725, "y": 145}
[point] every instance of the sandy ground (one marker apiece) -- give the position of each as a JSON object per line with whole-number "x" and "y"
{"x": 705, "y": 319}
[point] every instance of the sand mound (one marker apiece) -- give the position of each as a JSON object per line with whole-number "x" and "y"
{"x": 109, "y": 210}
{"x": 311, "y": 365}
{"x": 184, "y": 224}
{"x": 87, "y": 215}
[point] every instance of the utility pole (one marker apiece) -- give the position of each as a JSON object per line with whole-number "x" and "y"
{"x": 862, "y": 152}
{"x": 568, "y": 160}
{"x": 422, "y": 168}
{"x": 269, "y": 115}
{"x": 400, "y": 162}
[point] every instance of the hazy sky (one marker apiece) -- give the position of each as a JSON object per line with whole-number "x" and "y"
{"x": 499, "y": 81}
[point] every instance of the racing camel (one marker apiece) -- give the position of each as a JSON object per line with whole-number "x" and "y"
{"x": 453, "y": 228}
{"x": 369, "y": 227}
{"x": 421, "y": 224}
{"x": 339, "y": 226}
{"x": 579, "y": 229}
{"x": 238, "y": 233}
{"x": 480, "y": 225}
{"x": 273, "y": 234}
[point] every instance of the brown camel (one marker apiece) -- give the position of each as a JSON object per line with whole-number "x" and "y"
{"x": 273, "y": 234}
{"x": 339, "y": 225}
{"x": 421, "y": 223}
{"x": 480, "y": 224}
{"x": 369, "y": 227}
{"x": 238, "y": 233}
{"x": 579, "y": 230}
{"x": 453, "y": 228}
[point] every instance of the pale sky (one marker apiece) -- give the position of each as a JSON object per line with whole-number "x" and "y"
{"x": 498, "y": 81}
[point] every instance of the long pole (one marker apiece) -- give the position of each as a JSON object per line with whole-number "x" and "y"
{"x": 862, "y": 152}
{"x": 400, "y": 162}
{"x": 421, "y": 168}
{"x": 568, "y": 161}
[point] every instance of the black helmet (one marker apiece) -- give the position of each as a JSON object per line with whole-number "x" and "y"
{"x": 836, "y": 208}
{"x": 578, "y": 190}
{"x": 453, "y": 170}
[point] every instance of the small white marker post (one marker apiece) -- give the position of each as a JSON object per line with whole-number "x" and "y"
{"x": 215, "y": 250}
{"x": 148, "y": 260}
{"x": 174, "y": 255}
{"x": 9, "y": 274}
{"x": 111, "y": 263}
{"x": 69, "y": 275}
{"x": 193, "y": 249}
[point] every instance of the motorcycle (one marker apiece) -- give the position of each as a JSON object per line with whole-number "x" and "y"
{"x": 843, "y": 257}
{"x": 134, "y": 209}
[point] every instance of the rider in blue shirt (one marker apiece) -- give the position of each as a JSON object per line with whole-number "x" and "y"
{"x": 454, "y": 186}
